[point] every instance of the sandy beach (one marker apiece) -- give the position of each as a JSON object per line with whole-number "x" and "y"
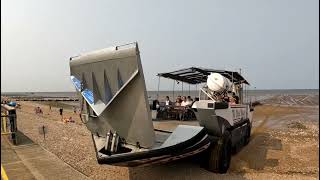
{"x": 284, "y": 143}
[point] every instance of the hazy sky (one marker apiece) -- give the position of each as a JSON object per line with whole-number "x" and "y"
{"x": 275, "y": 42}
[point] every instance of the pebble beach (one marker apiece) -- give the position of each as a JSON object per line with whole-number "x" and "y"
{"x": 284, "y": 143}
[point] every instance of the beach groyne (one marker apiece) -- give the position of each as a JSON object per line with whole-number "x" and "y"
{"x": 26, "y": 98}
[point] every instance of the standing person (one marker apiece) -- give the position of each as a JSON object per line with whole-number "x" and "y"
{"x": 38, "y": 110}
{"x": 61, "y": 112}
{"x": 50, "y": 107}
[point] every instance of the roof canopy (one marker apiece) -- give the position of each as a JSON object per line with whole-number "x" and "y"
{"x": 196, "y": 75}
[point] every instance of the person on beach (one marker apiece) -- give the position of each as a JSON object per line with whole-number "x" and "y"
{"x": 38, "y": 110}
{"x": 74, "y": 109}
{"x": 61, "y": 111}
{"x": 71, "y": 120}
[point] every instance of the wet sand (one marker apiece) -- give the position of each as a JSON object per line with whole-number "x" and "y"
{"x": 284, "y": 145}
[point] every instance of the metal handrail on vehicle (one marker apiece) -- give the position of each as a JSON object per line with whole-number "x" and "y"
{"x": 209, "y": 95}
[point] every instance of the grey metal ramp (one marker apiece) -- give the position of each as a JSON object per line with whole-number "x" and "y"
{"x": 112, "y": 83}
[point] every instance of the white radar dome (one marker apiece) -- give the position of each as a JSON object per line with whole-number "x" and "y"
{"x": 217, "y": 82}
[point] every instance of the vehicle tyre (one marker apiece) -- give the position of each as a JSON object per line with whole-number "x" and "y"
{"x": 219, "y": 155}
{"x": 248, "y": 134}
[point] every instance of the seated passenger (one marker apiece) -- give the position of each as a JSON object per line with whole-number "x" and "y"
{"x": 168, "y": 102}
{"x": 226, "y": 99}
{"x": 235, "y": 97}
{"x": 232, "y": 101}
{"x": 189, "y": 101}
{"x": 158, "y": 106}
{"x": 184, "y": 101}
{"x": 178, "y": 102}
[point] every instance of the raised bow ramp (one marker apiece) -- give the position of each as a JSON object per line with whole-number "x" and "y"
{"x": 112, "y": 83}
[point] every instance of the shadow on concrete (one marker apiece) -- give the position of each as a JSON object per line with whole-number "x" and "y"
{"x": 22, "y": 139}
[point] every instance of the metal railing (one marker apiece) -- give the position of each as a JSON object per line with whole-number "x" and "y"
{"x": 9, "y": 122}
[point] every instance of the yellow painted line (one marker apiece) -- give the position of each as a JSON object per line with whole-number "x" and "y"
{"x": 4, "y": 174}
{"x": 6, "y": 133}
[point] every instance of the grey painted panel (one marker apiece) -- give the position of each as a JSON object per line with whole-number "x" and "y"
{"x": 208, "y": 119}
{"x": 181, "y": 134}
